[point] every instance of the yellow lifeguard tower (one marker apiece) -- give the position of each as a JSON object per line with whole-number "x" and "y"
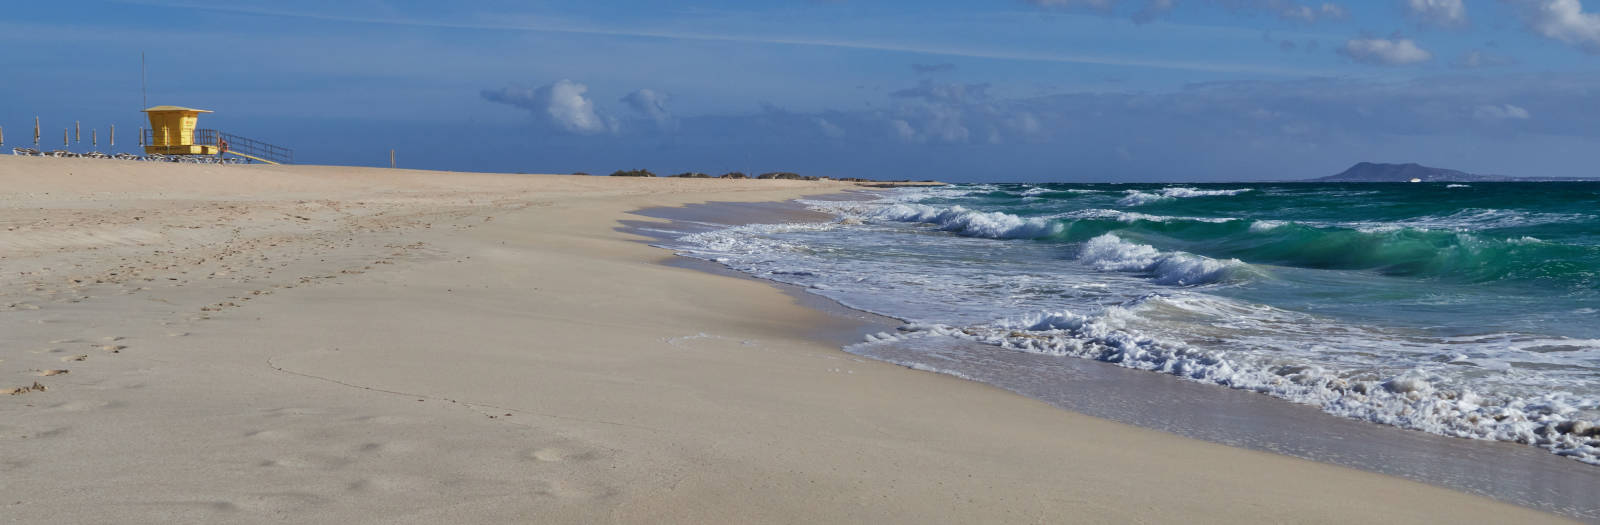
{"x": 173, "y": 132}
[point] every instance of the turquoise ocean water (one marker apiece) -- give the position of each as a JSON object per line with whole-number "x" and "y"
{"x": 1469, "y": 310}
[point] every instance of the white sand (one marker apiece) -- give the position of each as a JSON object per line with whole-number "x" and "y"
{"x": 315, "y": 344}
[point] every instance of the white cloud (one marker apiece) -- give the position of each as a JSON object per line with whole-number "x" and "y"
{"x": 1384, "y": 51}
{"x": 1025, "y": 124}
{"x": 957, "y": 113}
{"x": 1448, "y": 13}
{"x": 1311, "y": 14}
{"x": 1288, "y": 9}
{"x": 562, "y": 105}
{"x": 1563, "y": 20}
{"x": 828, "y": 129}
{"x": 903, "y": 130}
{"x": 1500, "y": 112}
{"x": 652, "y": 105}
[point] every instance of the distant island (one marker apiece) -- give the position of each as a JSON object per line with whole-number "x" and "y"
{"x": 1413, "y": 172}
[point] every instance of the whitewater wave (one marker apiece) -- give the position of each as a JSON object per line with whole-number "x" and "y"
{"x": 1140, "y": 198}
{"x": 1110, "y": 253}
{"x": 1415, "y": 398}
{"x": 955, "y": 219}
{"x": 913, "y": 195}
{"x": 972, "y": 223}
{"x": 1266, "y": 225}
{"x": 1040, "y": 190}
{"x": 1471, "y": 219}
{"x": 1133, "y": 216}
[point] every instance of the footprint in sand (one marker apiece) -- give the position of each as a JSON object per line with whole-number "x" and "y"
{"x": 48, "y": 373}
{"x": 270, "y": 435}
{"x": 568, "y": 490}
{"x": 71, "y": 358}
{"x": 84, "y": 405}
{"x": 64, "y": 341}
{"x": 391, "y": 483}
{"x": 276, "y": 503}
{"x": 115, "y": 349}
{"x": 308, "y": 461}
{"x": 555, "y": 454}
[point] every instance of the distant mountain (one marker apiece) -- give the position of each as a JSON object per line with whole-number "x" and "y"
{"x": 1376, "y": 172}
{"x": 1379, "y": 172}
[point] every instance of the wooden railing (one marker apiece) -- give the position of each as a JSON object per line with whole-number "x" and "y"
{"x": 236, "y": 143}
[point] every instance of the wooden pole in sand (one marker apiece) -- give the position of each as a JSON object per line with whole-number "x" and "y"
{"x": 77, "y": 127}
{"x": 112, "y": 136}
{"x": 94, "y": 138}
{"x": 141, "y": 136}
{"x": 66, "y": 136}
{"x": 391, "y": 159}
{"x": 35, "y": 132}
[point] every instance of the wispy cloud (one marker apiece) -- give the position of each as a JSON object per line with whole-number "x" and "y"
{"x": 933, "y": 68}
{"x": 842, "y": 43}
{"x": 1500, "y": 112}
{"x": 1289, "y": 10}
{"x": 1447, "y": 13}
{"x": 1385, "y": 51}
{"x": 1478, "y": 58}
{"x": 652, "y": 105}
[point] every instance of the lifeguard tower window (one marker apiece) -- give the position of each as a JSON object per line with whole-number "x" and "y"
{"x": 173, "y": 132}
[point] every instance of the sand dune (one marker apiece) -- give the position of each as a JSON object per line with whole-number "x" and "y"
{"x": 319, "y": 344}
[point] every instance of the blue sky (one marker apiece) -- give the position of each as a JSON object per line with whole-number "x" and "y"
{"x": 1008, "y": 90}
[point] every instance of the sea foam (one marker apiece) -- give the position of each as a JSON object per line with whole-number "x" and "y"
{"x": 971, "y": 223}
{"x": 1140, "y": 198}
{"x": 1414, "y": 398}
{"x": 1110, "y": 253}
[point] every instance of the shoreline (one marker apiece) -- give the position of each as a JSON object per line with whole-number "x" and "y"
{"x": 1510, "y": 472}
{"x": 312, "y": 343}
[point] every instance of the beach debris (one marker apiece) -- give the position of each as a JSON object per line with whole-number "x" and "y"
{"x": 36, "y": 387}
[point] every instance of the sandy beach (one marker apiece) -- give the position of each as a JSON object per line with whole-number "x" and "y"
{"x": 334, "y": 345}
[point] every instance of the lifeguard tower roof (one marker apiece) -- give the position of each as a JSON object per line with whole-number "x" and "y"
{"x": 174, "y": 108}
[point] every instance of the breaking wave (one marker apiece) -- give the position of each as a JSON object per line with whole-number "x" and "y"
{"x": 1140, "y": 198}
